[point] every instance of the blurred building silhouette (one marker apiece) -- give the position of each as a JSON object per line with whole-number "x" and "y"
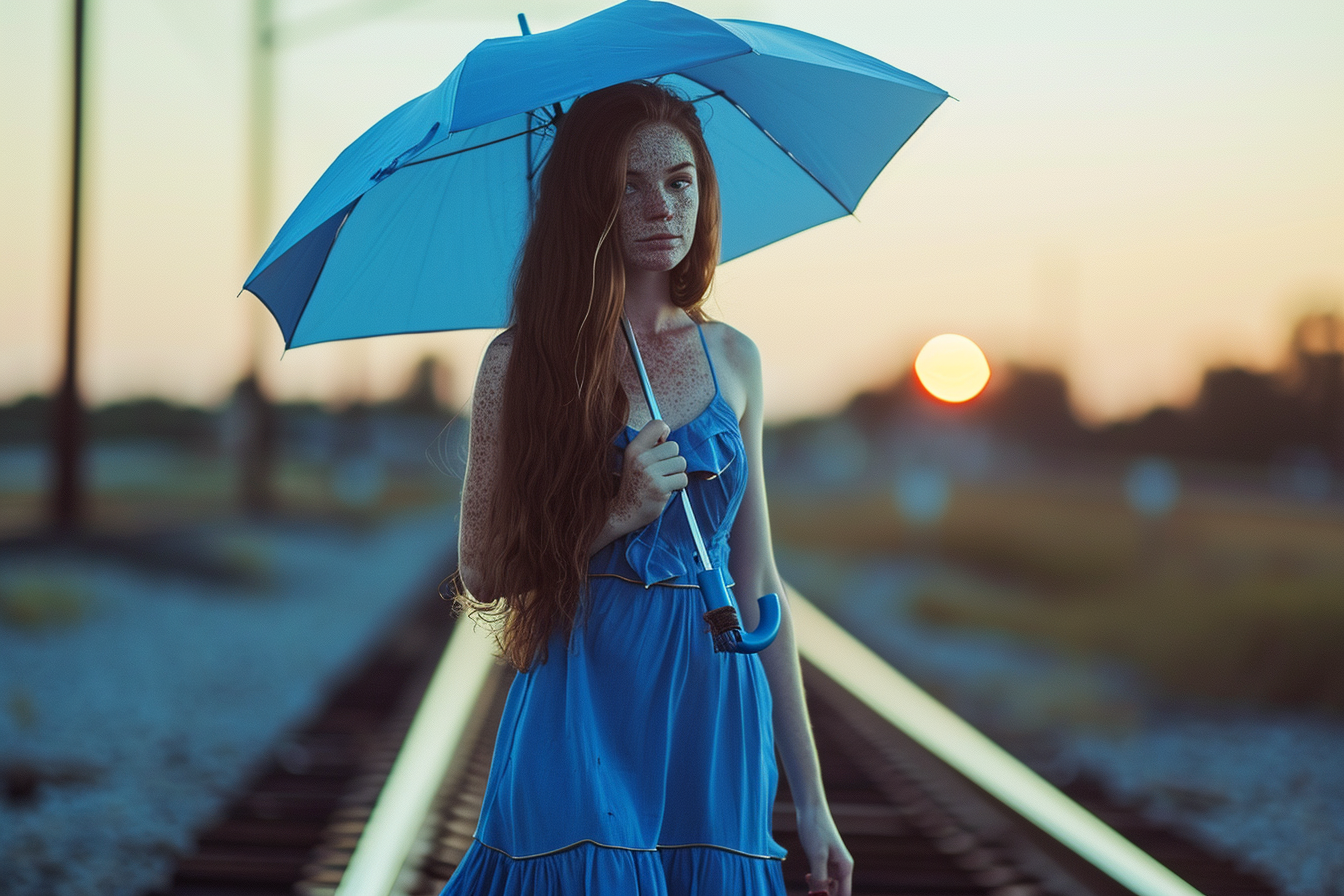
{"x": 431, "y": 379}
{"x": 1256, "y": 417}
{"x": 1317, "y": 376}
{"x": 1292, "y": 417}
{"x": 1022, "y": 405}
{"x": 250, "y": 432}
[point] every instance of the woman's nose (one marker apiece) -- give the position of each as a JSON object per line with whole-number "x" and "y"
{"x": 658, "y": 205}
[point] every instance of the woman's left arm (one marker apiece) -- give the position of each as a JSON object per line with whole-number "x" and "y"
{"x": 752, "y": 563}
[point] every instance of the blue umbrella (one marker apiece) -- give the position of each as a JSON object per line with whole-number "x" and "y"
{"x": 418, "y": 224}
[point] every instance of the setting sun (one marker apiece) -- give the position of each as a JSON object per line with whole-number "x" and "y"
{"x": 952, "y": 368}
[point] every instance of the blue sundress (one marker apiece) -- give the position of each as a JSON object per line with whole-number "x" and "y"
{"x": 636, "y": 760}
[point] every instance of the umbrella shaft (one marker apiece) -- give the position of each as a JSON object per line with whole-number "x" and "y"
{"x": 700, "y": 551}
{"x": 699, "y": 540}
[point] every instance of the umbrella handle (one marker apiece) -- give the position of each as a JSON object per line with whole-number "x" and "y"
{"x": 724, "y": 625}
{"x": 720, "y": 612}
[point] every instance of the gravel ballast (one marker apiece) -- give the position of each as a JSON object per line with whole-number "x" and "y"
{"x": 126, "y": 728}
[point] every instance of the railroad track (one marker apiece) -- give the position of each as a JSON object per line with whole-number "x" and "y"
{"x": 380, "y": 796}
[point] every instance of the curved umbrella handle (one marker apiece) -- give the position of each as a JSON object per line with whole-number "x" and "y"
{"x": 766, "y": 628}
{"x": 724, "y": 625}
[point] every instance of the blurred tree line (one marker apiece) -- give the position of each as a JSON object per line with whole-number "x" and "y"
{"x": 28, "y": 420}
{"x": 245, "y": 453}
{"x": 1239, "y": 415}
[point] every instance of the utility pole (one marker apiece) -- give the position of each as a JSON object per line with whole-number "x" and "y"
{"x": 255, "y": 415}
{"x": 261, "y": 127}
{"x": 68, "y": 494}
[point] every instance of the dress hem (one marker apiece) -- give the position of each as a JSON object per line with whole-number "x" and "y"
{"x": 652, "y": 849}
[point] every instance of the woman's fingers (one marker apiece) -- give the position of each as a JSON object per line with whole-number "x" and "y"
{"x": 821, "y": 887}
{"x": 664, "y": 475}
{"x": 653, "y": 433}
{"x": 652, "y": 454}
{"x": 670, "y": 473}
{"x": 662, "y": 451}
{"x": 841, "y": 869}
{"x": 654, "y": 469}
{"x": 670, "y": 463}
{"x": 832, "y": 867}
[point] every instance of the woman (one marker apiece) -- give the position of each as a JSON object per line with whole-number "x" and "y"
{"x": 631, "y": 758}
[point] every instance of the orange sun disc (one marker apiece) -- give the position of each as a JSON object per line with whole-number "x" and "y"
{"x": 952, "y": 368}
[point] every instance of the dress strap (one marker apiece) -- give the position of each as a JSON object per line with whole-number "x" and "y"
{"x": 708, "y": 359}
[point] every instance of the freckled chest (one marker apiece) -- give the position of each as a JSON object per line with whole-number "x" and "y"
{"x": 679, "y": 373}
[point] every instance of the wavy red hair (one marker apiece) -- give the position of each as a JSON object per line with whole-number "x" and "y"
{"x": 563, "y": 403}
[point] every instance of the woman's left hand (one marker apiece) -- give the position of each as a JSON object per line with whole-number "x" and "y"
{"x": 831, "y": 864}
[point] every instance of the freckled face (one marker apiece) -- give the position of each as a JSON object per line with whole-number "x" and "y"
{"x": 662, "y": 196}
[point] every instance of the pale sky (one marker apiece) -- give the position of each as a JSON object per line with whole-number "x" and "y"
{"x": 1131, "y": 190}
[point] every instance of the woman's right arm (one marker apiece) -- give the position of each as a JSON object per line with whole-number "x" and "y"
{"x": 478, "y": 486}
{"x": 652, "y": 470}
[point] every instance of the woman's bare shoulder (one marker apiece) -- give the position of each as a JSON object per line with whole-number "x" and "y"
{"x": 501, "y": 345}
{"x": 735, "y": 348}
{"x": 495, "y": 361}
{"x": 738, "y": 364}
{"x": 490, "y": 377}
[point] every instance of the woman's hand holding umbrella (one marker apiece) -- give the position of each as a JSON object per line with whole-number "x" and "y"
{"x": 653, "y": 470}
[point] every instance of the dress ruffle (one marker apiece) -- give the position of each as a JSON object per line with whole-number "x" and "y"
{"x": 663, "y": 550}
{"x": 593, "y": 870}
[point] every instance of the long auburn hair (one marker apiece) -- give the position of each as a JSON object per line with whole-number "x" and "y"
{"x": 563, "y": 402}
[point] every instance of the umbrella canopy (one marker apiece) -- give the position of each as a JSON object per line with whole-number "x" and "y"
{"x": 417, "y": 226}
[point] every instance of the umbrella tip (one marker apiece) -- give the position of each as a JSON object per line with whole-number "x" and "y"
{"x": 522, "y": 23}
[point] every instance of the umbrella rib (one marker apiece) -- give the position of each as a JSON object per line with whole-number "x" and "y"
{"x": 784, "y": 149}
{"x": 552, "y": 121}
{"x": 555, "y": 118}
{"x": 458, "y": 152}
{"x": 349, "y": 210}
{"x": 531, "y": 116}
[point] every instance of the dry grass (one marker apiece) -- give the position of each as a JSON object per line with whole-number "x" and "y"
{"x": 1041, "y": 535}
{"x": 302, "y": 490}
{"x": 1230, "y": 597}
{"x": 1264, "y": 639}
{"x": 34, "y": 602}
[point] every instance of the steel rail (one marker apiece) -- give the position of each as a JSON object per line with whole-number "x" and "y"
{"x": 434, "y": 736}
{"x": 899, "y": 701}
